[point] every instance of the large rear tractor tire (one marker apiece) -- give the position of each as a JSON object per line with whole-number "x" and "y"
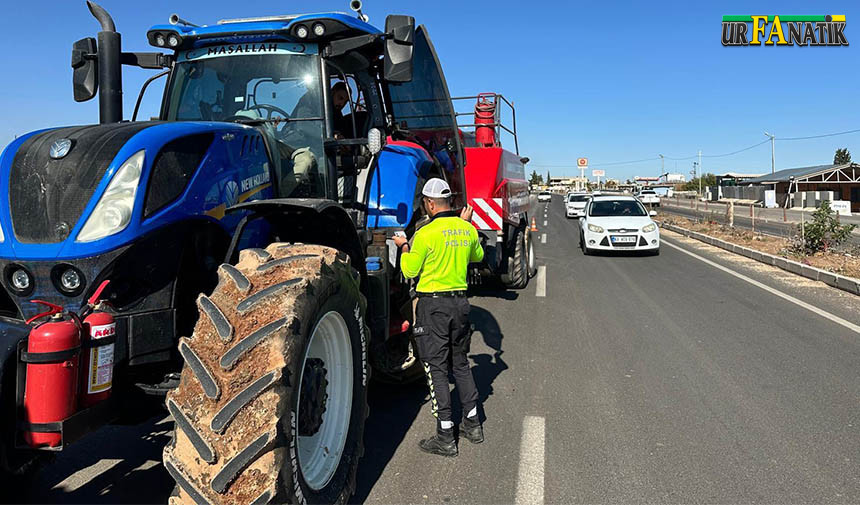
{"x": 518, "y": 277}
{"x": 272, "y": 400}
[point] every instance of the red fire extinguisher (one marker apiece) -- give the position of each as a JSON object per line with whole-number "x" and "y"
{"x": 51, "y": 388}
{"x": 97, "y": 340}
{"x": 485, "y": 120}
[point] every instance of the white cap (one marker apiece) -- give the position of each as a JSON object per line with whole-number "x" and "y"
{"x": 436, "y": 188}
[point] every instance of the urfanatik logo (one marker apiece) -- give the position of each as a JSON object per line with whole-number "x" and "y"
{"x": 827, "y": 30}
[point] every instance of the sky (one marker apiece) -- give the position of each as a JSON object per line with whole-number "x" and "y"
{"x": 613, "y": 81}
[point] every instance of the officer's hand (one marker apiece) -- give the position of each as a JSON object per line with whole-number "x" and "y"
{"x": 466, "y": 213}
{"x": 399, "y": 241}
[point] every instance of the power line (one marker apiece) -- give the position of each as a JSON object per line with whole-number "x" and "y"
{"x": 597, "y": 164}
{"x": 734, "y": 152}
{"x": 705, "y": 155}
{"x": 818, "y": 136}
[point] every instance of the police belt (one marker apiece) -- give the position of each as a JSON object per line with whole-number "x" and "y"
{"x": 442, "y": 294}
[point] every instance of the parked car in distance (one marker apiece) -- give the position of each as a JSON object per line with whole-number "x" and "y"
{"x": 575, "y": 203}
{"x": 614, "y": 223}
{"x": 649, "y": 197}
{"x": 544, "y": 196}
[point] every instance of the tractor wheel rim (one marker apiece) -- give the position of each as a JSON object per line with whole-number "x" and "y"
{"x": 320, "y": 454}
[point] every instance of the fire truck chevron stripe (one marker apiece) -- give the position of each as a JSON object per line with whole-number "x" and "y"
{"x": 479, "y": 222}
{"x": 490, "y": 210}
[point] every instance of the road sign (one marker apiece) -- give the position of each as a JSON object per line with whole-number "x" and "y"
{"x": 582, "y": 162}
{"x": 597, "y": 173}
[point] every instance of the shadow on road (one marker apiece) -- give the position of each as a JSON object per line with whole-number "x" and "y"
{"x": 117, "y": 464}
{"x": 491, "y": 289}
{"x": 486, "y": 367}
{"x": 393, "y": 409}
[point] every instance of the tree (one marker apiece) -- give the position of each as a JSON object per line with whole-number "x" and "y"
{"x": 707, "y": 180}
{"x": 842, "y": 156}
{"x": 823, "y": 232}
{"x": 548, "y": 178}
{"x": 535, "y": 179}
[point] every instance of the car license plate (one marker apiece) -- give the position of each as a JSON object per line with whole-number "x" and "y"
{"x": 623, "y": 239}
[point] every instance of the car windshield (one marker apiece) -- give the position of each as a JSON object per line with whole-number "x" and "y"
{"x": 577, "y": 198}
{"x": 610, "y": 208}
{"x": 274, "y": 86}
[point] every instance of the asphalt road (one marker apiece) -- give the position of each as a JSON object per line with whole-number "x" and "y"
{"x": 634, "y": 379}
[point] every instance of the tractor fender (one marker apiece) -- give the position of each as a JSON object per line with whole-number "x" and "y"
{"x": 307, "y": 220}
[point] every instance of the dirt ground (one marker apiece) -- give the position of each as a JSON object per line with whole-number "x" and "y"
{"x": 840, "y": 262}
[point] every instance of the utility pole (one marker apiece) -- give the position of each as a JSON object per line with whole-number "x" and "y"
{"x": 700, "y": 172}
{"x": 772, "y": 153}
{"x": 662, "y": 164}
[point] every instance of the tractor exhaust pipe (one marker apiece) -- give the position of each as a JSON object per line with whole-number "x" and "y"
{"x": 109, "y": 66}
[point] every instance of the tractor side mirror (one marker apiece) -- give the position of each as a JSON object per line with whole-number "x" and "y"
{"x": 400, "y": 34}
{"x": 85, "y": 67}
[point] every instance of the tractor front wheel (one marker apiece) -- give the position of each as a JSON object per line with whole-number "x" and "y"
{"x": 272, "y": 401}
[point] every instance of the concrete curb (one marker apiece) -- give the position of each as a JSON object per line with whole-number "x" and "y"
{"x": 837, "y": 281}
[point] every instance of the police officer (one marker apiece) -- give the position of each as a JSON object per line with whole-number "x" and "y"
{"x": 440, "y": 253}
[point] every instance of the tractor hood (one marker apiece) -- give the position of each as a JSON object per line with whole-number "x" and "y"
{"x": 54, "y": 174}
{"x": 51, "y": 182}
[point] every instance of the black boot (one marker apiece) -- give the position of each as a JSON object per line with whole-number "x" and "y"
{"x": 471, "y": 429}
{"x": 442, "y": 443}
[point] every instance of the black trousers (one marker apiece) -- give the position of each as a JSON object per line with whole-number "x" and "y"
{"x": 442, "y": 334}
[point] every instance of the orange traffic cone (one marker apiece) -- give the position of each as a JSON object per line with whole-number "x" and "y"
{"x": 534, "y": 225}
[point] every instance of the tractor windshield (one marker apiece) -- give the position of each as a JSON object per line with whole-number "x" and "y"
{"x": 276, "y": 88}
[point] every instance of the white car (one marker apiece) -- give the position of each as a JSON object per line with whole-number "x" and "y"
{"x": 544, "y": 196}
{"x": 575, "y": 204}
{"x": 613, "y": 223}
{"x": 649, "y": 197}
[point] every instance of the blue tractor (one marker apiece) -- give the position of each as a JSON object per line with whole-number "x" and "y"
{"x": 246, "y": 234}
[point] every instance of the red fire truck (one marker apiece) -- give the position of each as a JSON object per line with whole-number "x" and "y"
{"x": 498, "y": 191}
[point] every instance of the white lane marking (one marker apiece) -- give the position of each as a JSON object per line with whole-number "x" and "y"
{"x": 543, "y": 238}
{"x": 821, "y": 312}
{"x": 541, "y": 281}
{"x": 544, "y": 223}
{"x": 530, "y": 479}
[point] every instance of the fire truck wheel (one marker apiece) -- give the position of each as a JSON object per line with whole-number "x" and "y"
{"x": 519, "y": 276}
{"x": 272, "y": 401}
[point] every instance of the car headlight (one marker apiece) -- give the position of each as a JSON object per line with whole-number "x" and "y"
{"x": 113, "y": 212}
{"x": 594, "y": 228}
{"x": 648, "y": 228}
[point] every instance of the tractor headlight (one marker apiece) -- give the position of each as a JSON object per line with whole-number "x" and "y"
{"x": 113, "y": 212}
{"x": 648, "y": 228}
{"x": 20, "y": 280}
{"x": 302, "y": 32}
{"x": 375, "y": 140}
{"x": 70, "y": 280}
{"x": 319, "y": 29}
{"x": 594, "y": 228}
